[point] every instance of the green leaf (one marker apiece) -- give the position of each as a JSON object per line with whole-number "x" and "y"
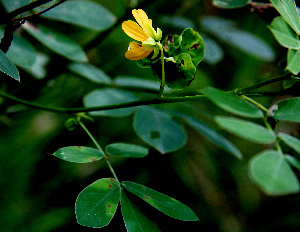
{"x": 79, "y": 154}
{"x": 213, "y": 52}
{"x": 82, "y": 13}
{"x": 8, "y": 67}
{"x": 57, "y": 42}
{"x": 270, "y": 171}
{"x": 293, "y": 161}
{"x": 243, "y": 40}
{"x": 288, "y": 11}
{"x": 213, "y": 136}
{"x": 293, "y": 61}
{"x": 162, "y": 202}
{"x": 158, "y": 129}
{"x": 38, "y": 69}
{"x": 192, "y": 44}
{"x": 228, "y": 4}
{"x": 134, "y": 219}
{"x": 135, "y": 82}
{"x": 179, "y": 71}
{"x": 232, "y": 103}
{"x": 126, "y": 150}
{"x": 284, "y": 34}
{"x": 105, "y": 97}
{"x": 90, "y": 72}
{"x": 290, "y": 141}
{"x": 11, "y": 5}
{"x": 288, "y": 110}
{"x": 97, "y": 203}
{"x": 247, "y": 130}
{"x": 21, "y": 52}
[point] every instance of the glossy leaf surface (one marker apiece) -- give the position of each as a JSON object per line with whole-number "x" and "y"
{"x": 293, "y": 61}
{"x": 227, "y": 4}
{"x": 134, "y": 219}
{"x": 284, "y": 34}
{"x": 247, "y": 130}
{"x": 290, "y": 141}
{"x": 162, "y": 202}
{"x": 21, "y": 52}
{"x": 232, "y": 103}
{"x": 288, "y": 110}
{"x": 97, "y": 203}
{"x": 82, "y": 13}
{"x": 288, "y": 11}
{"x": 8, "y": 67}
{"x": 213, "y": 136}
{"x": 158, "y": 129}
{"x": 270, "y": 171}
{"x": 57, "y": 42}
{"x": 104, "y": 97}
{"x": 78, "y": 154}
{"x": 90, "y": 72}
{"x": 126, "y": 150}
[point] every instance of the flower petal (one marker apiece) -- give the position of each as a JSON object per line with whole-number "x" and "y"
{"x": 145, "y": 23}
{"x": 133, "y": 30}
{"x": 137, "y": 51}
{"x": 141, "y": 17}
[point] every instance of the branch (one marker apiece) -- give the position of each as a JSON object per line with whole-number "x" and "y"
{"x": 5, "y": 19}
{"x": 100, "y": 108}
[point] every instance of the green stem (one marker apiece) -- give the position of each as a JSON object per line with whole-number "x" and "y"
{"x": 163, "y": 78}
{"x": 28, "y": 7}
{"x": 138, "y": 102}
{"x": 263, "y": 83}
{"x": 100, "y": 149}
{"x": 106, "y": 107}
{"x": 255, "y": 103}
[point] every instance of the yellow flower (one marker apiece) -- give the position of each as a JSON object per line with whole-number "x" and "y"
{"x": 141, "y": 31}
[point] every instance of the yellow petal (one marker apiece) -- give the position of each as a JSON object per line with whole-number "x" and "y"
{"x": 145, "y": 23}
{"x": 133, "y": 30}
{"x": 137, "y": 51}
{"x": 141, "y": 17}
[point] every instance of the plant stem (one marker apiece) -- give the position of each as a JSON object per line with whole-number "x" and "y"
{"x": 106, "y": 107}
{"x": 255, "y": 103}
{"x": 100, "y": 149}
{"x": 139, "y": 102}
{"x": 30, "y": 6}
{"x": 263, "y": 83}
{"x": 163, "y": 78}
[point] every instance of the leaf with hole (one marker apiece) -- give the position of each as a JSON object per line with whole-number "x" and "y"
{"x": 79, "y": 154}
{"x": 158, "y": 129}
{"x": 247, "y": 130}
{"x": 271, "y": 172}
{"x": 126, "y": 150}
{"x": 97, "y": 203}
{"x": 162, "y": 202}
{"x": 134, "y": 219}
